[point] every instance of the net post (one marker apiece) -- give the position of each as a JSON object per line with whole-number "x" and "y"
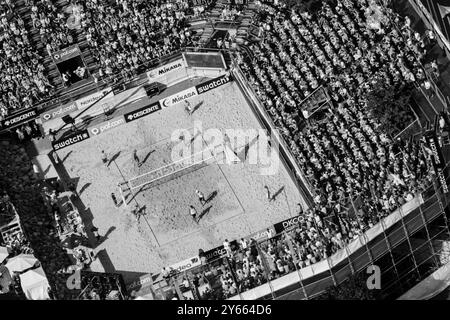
{"x": 121, "y": 194}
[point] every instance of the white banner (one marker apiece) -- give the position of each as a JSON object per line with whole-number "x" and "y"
{"x": 107, "y": 125}
{"x": 85, "y": 102}
{"x": 178, "y": 97}
{"x": 186, "y": 264}
{"x": 165, "y": 69}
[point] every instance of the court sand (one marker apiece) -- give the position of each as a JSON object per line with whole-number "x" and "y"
{"x": 167, "y": 234}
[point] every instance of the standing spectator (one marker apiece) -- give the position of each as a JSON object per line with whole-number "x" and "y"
{"x": 20, "y": 134}
{"x": 94, "y": 231}
{"x": 52, "y": 135}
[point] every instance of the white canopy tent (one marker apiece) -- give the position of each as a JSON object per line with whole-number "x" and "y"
{"x": 3, "y": 253}
{"x": 35, "y": 284}
{"x": 21, "y": 262}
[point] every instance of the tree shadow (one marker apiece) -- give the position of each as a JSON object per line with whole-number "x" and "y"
{"x": 276, "y": 194}
{"x": 83, "y": 188}
{"x": 105, "y": 260}
{"x": 104, "y": 237}
{"x": 113, "y": 158}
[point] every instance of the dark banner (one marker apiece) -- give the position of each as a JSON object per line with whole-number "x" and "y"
{"x": 218, "y": 252}
{"x": 212, "y": 84}
{"x": 142, "y": 112}
{"x": 70, "y": 140}
{"x": 19, "y": 118}
{"x": 286, "y": 224}
{"x": 437, "y": 159}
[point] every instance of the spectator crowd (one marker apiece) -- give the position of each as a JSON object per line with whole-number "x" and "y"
{"x": 359, "y": 173}
{"x": 23, "y": 81}
{"x": 125, "y": 36}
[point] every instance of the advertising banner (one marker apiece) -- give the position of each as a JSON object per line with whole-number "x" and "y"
{"x": 261, "y": 235}
{"x": 66, "y": 54}
{"x": 178, "y": 97}
{"x": 105, "y": 126}
{"x": 142, "y": 286}
{"x": 437, "y": 159}
{"x": 165, "y": 69}
{"x": 85, "y": 102}
{"x": 287, "y": 224}
{"x": 60, "y": 112}
{"x": 70, "y": 140}
{"x": 212, "y": 84}
{"x": 218, "y": 252}
{"x": 186, "y": 264}
{"x": 19, "y": 118}
{"x": 142, "y": 112}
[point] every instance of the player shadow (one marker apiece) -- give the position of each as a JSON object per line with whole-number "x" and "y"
{"x": 196, "y": 107}
{"x": 203, "y": 213}
{"x": 66, "y": 156}
{"x": 147, "y": 156}
{"x": 211, "y": 196}
{"x": 276, "y": 194}
{"x": 46, "y": 170}
{"x": 199, "y": 133}
{"x": 244, "y": 153}
{"x": 113, "y": 158}
{"x": 83, "y": 188}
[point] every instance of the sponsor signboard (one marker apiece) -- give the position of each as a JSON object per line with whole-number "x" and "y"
{"x": 212, "y": 84}
{"x": 105, "y": 126}
{"x": 19, "y": 118}
{"x": 142, "y": 112}
{"x": 85, "y": 102}
{"x": 143, "y": 286}
{"x": 287, "y": 224}
{"x": 165, "y": 69}
{"x": 185, "y": 264}
{"x": 70, "y": 140}
{"x": 261, "y": 235}
{"x": 437, "y": 159}
{"x": 59, "y": 112}
{"x": 178, "y": 97}
{"x": 66, "y": 54}
{"x": 218, "y": 252}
